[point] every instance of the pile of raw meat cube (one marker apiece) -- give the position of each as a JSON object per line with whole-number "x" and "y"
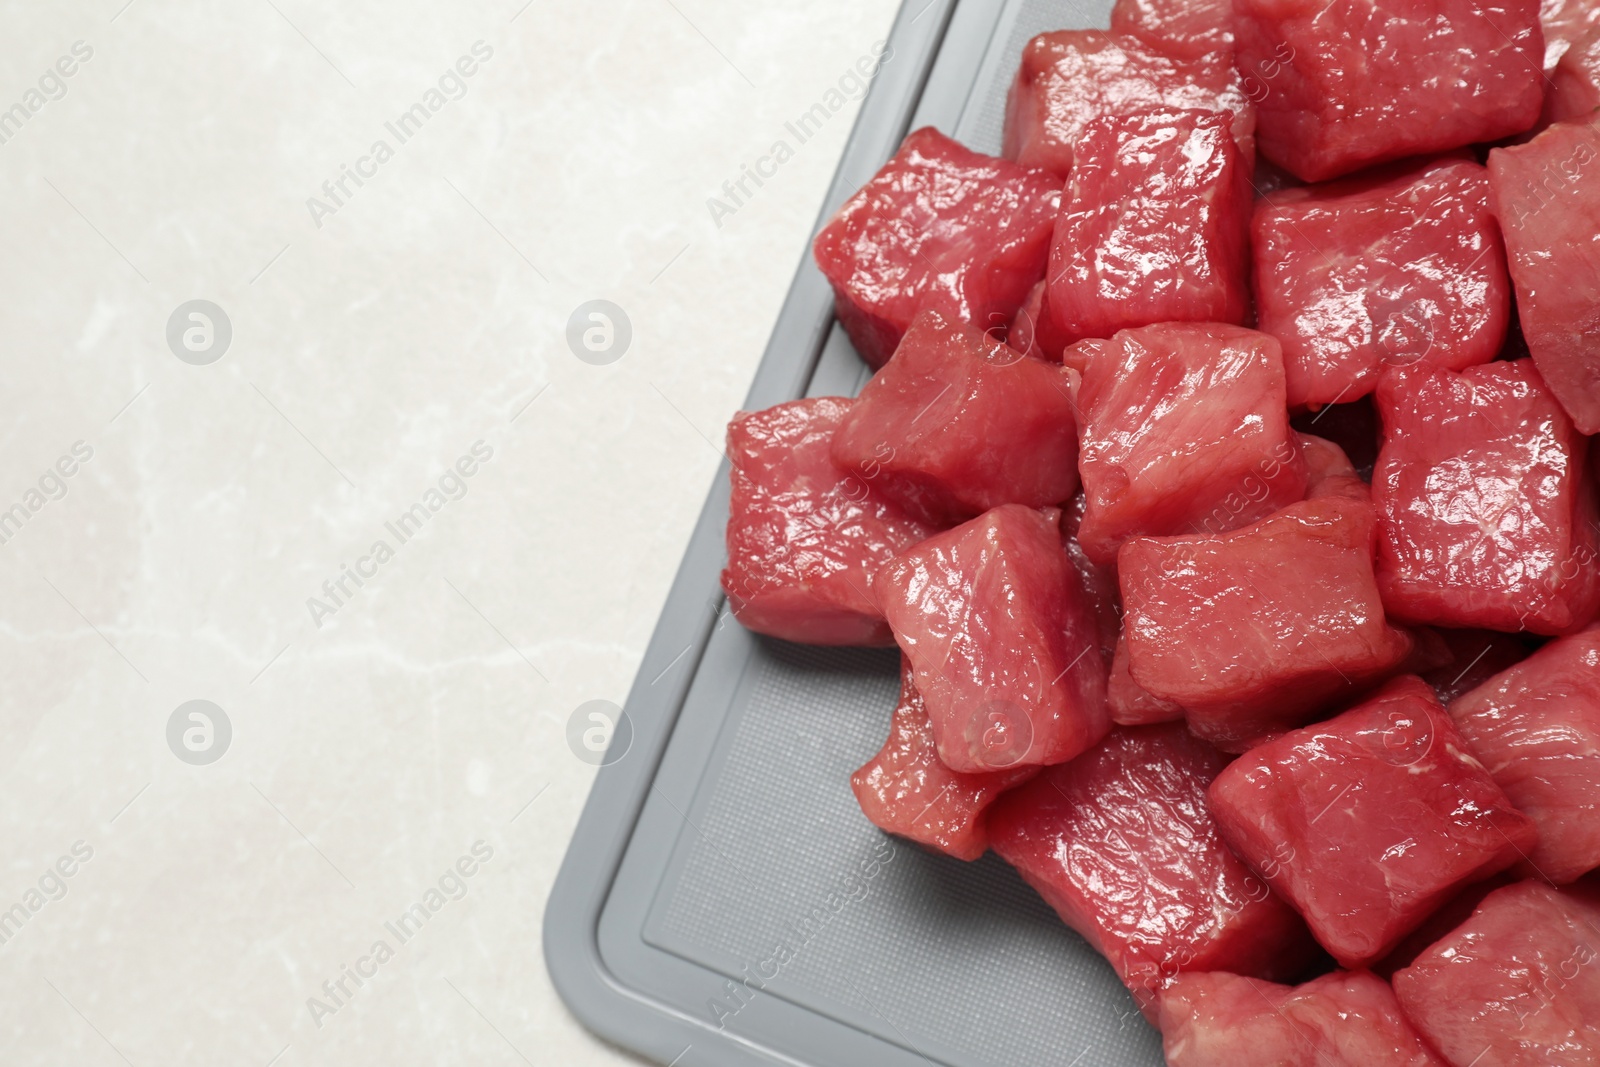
{"x": 1225, "y": 482}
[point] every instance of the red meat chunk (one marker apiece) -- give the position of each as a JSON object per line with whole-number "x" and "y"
{"x": 938, "y": 227}
{"x": 1068, "y": 78}
{"x": 1356, "y": 82}
{"x": 1353, "y": 427}
{"x": 1516, "y": 985}
{"x": 1132, "y": 705}
{"x": 1184, "y": 28}
{"x": 1368, "y": 822}
{"x": 1023, "y": 332}
{"x": 1546, "y": 194}
{"x": 1536, "y": 727}
{"x": 1154, "y": 226}
{"x": 1565, "y": 22}
{"x": 1486, "y": 511}
{"x": 1475, "y": 656}
{"x": 1356, "y": 276}
{"x": 1098, "y": 580}
{"x": 1183, "y": 430}
{"x": 1344, "y": 1019}
{"x": 1003, "y": 640}
{"x": 1449, "y": 916}
{"x": 956, "y": 423}
{"x": 1329, "y": 471}
{"x": 804, "y": 537}
{"x": 1121, "y": 844}
{"x": 1032, "y": 331}
{"x": 1574, "y": 89}
{"x": 906, "y": 790}
{"x": 1256, "y": 631}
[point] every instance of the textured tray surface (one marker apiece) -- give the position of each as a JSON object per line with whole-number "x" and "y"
{"x": 960, "y": 962}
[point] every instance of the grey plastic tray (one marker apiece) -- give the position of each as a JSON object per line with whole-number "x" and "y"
{"x": 723, "y": 900}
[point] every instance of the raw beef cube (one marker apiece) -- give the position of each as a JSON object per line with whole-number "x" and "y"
{"x": 939, "y": 227}
{"x": 1475, "y": 657}
{"x": 1099, "y": 580}
{"x": 1486, "y": 509}
{"x": 1368, "y": 822}
{"x": 1438, "y": 925}
{"x": 905, "y": 790}
{"x": 1575, "y": 83}
{"x": 1564, "y": 22}
{"x": 1022, "y": 334}
{"x": 1516, "y": 985}
{"x": 1130, "y": 704}
{"x": 1256, "y": 631}
{"x": 1536, "y": 727}
{"x": 1344, "y": 1019}
{"x": 1121, "y": 844}
{"x": 1184, "y": 28}
{"x": 1356, "y": 82}
{"x": 1546, "y": 194}
{"x": 1429, "y": 652}
{"x": 1003, "y": 641}
{"x": 956, "y": 423}
{"x": 1329, "y": 471}
{"x": 1356, "y": 276}
{"x": 1183, "y": 430}
{"x": 1032, "y": 331}
{"x": 1353, "y": 427}
{"x": 804, "y": 537}
{"x": 1271, "y": 178}
{"x": 1154, "y": 226}
{"x": 1070, "y": 77}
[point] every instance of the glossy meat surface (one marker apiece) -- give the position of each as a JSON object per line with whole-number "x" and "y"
{"x": 1003, "y": 640}
{"x": 906, "y": 790}
{"x": 1183, "y": 431}
{"x": 1329, "y": 471}
{"x": 1516, "y": 985}
{"x": 1153, "y": 227}
{"x": 804, "y": 537}
{"x": 1098, "y": 580}
{"x": 1486, "y": 508}
{"x": 1564, "y": 22}
{"x": 1068, "y": 78}
{"x": 1131, "y": 704}
{"x": 1536, "y": 727}
{"x": 1574, "y": 89}
{"x": 1368, "y": 822}
{"x": 1356, "y": 82}
{"x": 1546, "y": 194}
{"x": 1256, "y": 631}
{"x": 1121, "y": 844}
{"x": 956, "y": 423}
{"x": 938, "y": 227}
{"x": 1353, "y": 427}
{"x": 1357, "y": 276}
{"x": 1343, "y": 1019}
{"x": 1475, "y": 657}
{"x": 1032, "y": 331}
{"x": 1182, "y": 28}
